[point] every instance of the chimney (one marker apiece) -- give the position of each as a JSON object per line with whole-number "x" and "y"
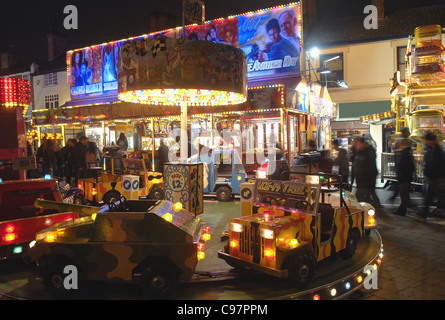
{"x": 57, "y": 43}
{"x": 380, "y": 5}
{"x": 309, "y": 11}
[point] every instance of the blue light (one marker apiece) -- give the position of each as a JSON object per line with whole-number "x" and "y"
{"x": 348, "y": 285}
{"x": 47, "y": 177}
{"x": 1, "y": 180}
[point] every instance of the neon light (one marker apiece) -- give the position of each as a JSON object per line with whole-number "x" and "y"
{"x": 193, "y": 97}
{"x": 15, "y": 93}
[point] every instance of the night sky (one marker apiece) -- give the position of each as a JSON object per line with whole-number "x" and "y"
{"x": 24, "y": 24}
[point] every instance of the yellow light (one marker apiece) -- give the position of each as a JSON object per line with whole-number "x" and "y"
{"x": 93, "y": 191}
{"x": 293, "y": 243}
{"x": 177, "y": 206}
{"x": 233, "y": 244}
{"x": 359, "y": 279}
{"x": 167, "y": 217}
{"x": 50, "y": 237}
{"x": 10, "y": 237}
{"x": 239, "y": 178}
{"x": 206, "y": 237}
{"x": 201, "y": 255}
{"x": 371, "y": 220}
{"x": 269, "y": 253}
{"x": 93, "y": 216}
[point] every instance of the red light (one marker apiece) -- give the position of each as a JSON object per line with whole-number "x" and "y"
{"x": 266, "y": 217}
{"x": 10, "y": 229}
{"x": 206, "y": 229}
{"x": 200, "y": 246}
{"x": 316, "y": 297}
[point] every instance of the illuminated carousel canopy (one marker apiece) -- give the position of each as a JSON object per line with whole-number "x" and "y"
{"x": 178, "y": 71}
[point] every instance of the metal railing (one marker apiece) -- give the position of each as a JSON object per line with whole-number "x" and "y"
{"x": 388, "y": 168}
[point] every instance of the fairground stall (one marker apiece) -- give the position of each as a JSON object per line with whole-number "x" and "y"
{"x": 417, "y": 102}
{"x": 280, "y": 107}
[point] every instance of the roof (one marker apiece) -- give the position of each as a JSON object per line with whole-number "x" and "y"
{"x": 399, "y": 24}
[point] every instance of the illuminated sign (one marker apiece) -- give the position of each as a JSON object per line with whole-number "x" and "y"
{"x": 270, "y": 39}
{"x": 93, "y": 71}
{"x": 14, "y": 93}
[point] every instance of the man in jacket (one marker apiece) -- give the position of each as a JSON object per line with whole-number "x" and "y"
{"x": 433, "y": 170}
{"x": 365, "y": 172}
{"x": 405, "y": 171}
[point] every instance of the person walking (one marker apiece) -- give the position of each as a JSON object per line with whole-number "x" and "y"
{"x": 405, "y": 172}
{"x": 92, "y": 158}
{"x": 49, "y": 156}
{"x": 68, "y": 158}
{"x": 433, "y": 171}
{"x": 163, "y": 155}
{"x": 341, "y": 161}
{"x": 365, "y": 172}
{"x": 80, "y": 167}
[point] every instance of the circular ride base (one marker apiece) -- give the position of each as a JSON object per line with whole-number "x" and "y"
{"x": 335, "y": 278}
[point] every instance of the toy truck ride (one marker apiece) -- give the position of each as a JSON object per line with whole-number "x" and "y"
{"x": 292, "y": 228}
{"x": 110, "y": 186}
{"x": 223, "y": 173}
{"x": 20, "y": 220}
{"x": 153, "y": 242}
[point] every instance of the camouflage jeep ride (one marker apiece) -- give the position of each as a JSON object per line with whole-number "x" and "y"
{"x": 153, "y": 242}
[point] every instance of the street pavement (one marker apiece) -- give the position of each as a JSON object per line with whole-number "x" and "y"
{"x": 413, "y": 265}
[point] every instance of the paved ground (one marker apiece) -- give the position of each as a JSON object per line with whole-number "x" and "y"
{"x": 413, "y": 266}
{"x": 414, "y": 254}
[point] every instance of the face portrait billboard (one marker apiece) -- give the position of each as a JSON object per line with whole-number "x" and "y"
{"x": 271, "y": 41}
{"x": 93, "y": 71}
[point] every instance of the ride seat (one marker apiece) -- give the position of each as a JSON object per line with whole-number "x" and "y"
{"x": 327, "y": 216}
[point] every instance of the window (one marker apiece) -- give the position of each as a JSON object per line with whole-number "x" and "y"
{"x": 51, "y": 79}
{"x": 52, "y": 101}
{"x": 334, "y": 62}
{"x": 401, "y": 66}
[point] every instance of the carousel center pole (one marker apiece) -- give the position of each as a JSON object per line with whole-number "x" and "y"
{"x": 184, "y": 134}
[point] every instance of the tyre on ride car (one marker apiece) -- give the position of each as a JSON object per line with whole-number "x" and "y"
{"x": 159, "y": 279}
{"x": 301, "y": 270}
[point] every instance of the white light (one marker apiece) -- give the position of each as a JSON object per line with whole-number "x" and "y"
{"x": 314, "y": 53}
{"x": 32, "y": 243}
{"x": 236, "y": 227}
{"x": 267, "y": 233}
{"x": 312, "y": 179}
{"x": 371, "y": 212}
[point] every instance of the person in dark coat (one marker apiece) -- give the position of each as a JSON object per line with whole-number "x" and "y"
{"x": 49, "y": 155}
{"x": 80, "y": 167}
{"x": 434, "y": 172}
{"x": 405, "y": 172}
{"x": 365, "y": 172}
{"x": 341, "y": 161}
{"x": 68, "y": 158}
{"x": 163, "y": 155}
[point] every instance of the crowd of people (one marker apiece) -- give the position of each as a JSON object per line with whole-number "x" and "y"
{"x": 363, "y": 172}
{"x": 71, "y": 162}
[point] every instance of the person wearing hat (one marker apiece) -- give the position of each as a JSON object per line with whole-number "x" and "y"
{"x": 433, "y": 171}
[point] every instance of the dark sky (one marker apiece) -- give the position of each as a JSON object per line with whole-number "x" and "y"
{"x": 24, "y": 24}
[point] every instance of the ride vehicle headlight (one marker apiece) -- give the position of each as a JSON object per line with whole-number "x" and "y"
{"x": 261, "y": 174}
{"x": 267, "y": 233}
{"x": 236, "y": 227}
{"x": 371, "y": 212}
